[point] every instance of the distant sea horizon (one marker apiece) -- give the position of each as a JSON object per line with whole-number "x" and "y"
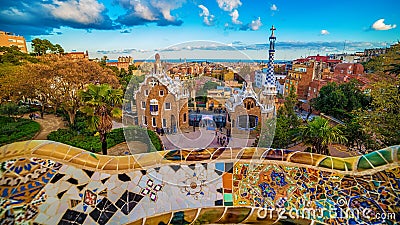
{"x": 208, "y": 60}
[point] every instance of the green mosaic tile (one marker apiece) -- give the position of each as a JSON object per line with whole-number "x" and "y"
{"x": 228, "y": 198}
{"x": 338, "y": 164}
{"x": 375, "y": 159}
{"x": 363, "y": 164}
{"x": 387, "y": 154}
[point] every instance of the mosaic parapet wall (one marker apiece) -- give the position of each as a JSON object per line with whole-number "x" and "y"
{"x": 47, "y": 182}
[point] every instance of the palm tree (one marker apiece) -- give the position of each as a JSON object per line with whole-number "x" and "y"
{"x": 101, "y": 105}
{"x": 318, "y": 134}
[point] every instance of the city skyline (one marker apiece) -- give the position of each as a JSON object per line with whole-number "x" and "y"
{"x": 141, "y": 28}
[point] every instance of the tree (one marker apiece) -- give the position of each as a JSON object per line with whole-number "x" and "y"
{"x": 287, "y": 122}
{"x": 12, "y": 55}
{"x": 14, "y": 82}
{"x": 60, "y": 79}
{"x": 100, "y": 105}
{"x": 42, "y": 47}
{"x": 13, "y": 110}
{"x": 388, "y": 62}
{"x": 340, "y": 100}
{"x": 356, "y": 137}
{"x": 381, "y": 120}
{"x": 318, "y": 134}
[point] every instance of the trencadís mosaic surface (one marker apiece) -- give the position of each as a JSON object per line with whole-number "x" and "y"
{"x": 44, "y": 182}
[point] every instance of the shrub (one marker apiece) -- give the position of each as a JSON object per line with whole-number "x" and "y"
{"x": 92, "y": 143}
{"x": 19, "y": 130}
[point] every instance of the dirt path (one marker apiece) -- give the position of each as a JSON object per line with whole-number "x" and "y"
{"x": 48, "y": 124}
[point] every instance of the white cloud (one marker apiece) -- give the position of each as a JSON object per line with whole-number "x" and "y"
{"x": 255, "y": 24}
{"x": 229, "y": 5}
{"x": 205, "y": 11}
{"x": 81, "y": 11}
{"x": 274, "y": 7}
{"x": 235, "y": 17}
{"x": 324, "y": 32}
{"x": 380, "y": 25}
{"x": 143, "y": 11}
{"x": 165, "y": 7}
{"x": 208, "y": 19}
{"x": 148, "y": 11}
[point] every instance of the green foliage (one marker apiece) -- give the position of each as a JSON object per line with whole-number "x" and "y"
{"x": 207, "y": 86}
{"x": 155, "y": 140}
{"x": 101, "y": 103}
{"x": 130, "y": 82}
{"x": 319, "y": 134}
{"x": 92, "y": 143}
{"x": 42, "y": 47}
{"x": 388, "y": 62}
{"x": 13, "y": 110}
{"x": 12, "y": 55}
{"x": 148, "y": 137}
{"x": 287, "y": 123}
{"x": 340, "y": 100}
{"x": 381, "y": 121}
{"x": 19, "y": 130}
{"x": 356, "y": 137}
{"x": 74, "y": 138}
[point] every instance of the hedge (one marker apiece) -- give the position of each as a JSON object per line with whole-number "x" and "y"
{"x": 92, "y": 143}
{"x": 19, "y": 130}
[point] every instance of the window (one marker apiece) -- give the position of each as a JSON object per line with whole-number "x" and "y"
{"x": 146, "y": 92}
{"x": 154, "y": 107}
{"x": 153, "y": 122}
{"x": 184, "y": 117}
{"x": 143, "y": 104}
{"x": 144, "y": 119}
{"x": 167, "y": 106}
{"x": 247, "y": 122}
{"x": 164, "y": 122}
{"x": 161, "y": 92}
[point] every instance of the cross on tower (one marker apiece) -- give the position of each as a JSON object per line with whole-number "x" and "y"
{"x": 272, "y": 29}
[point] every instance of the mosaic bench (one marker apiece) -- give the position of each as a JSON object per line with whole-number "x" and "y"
{"x": 45, "y": 182}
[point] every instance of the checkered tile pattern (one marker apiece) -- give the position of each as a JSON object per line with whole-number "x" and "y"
{"x": 270, "y": 78}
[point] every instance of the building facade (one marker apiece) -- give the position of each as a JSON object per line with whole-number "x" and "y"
{"x": 8, "y": 39}
{"x": 123, "y": 63}
{"x": 162, "y": 102}
{"x": 78, "y": 55}
{"x": 349, "y": 69}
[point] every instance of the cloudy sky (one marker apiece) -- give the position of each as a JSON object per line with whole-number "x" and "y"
{"x": 141, "y": 27}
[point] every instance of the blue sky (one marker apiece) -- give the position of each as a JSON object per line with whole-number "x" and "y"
{"x": 142, "y": 27}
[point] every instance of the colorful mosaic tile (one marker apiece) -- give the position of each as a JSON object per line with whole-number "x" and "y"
{"x": 48, "y": 187}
